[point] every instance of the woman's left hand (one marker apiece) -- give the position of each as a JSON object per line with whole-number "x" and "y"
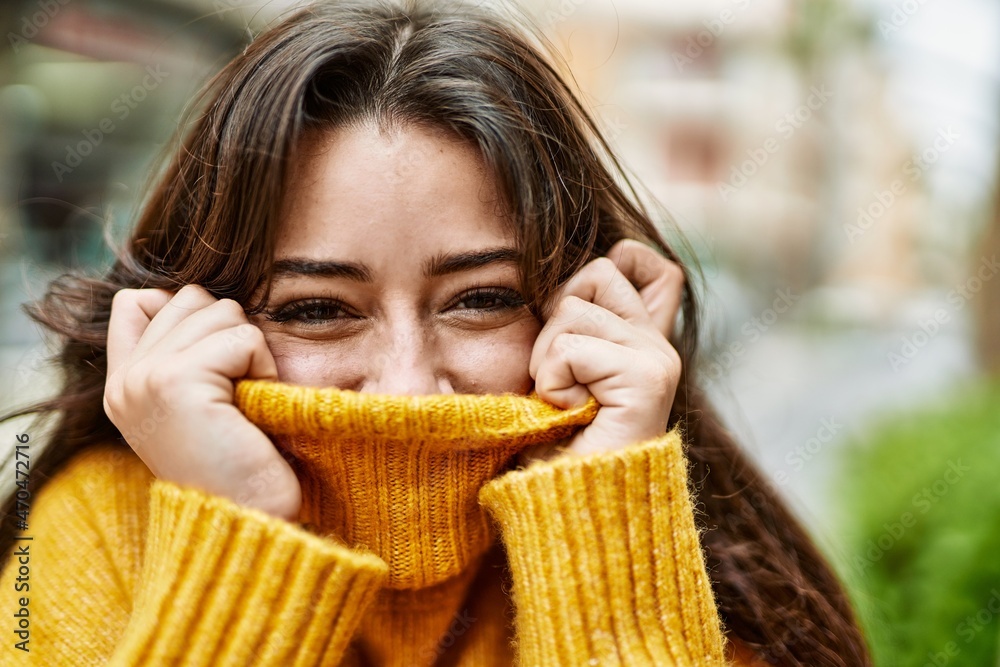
{"x": 607, "y": 334}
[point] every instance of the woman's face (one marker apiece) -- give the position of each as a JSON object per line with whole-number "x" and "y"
{"x": 394, "y": 272}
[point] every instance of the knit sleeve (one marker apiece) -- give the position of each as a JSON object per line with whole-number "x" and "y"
{"x": 606, "y": 561}
{"x": 215, "y": 583}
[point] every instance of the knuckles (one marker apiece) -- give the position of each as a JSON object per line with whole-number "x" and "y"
{"x": 673, "y": 274}
{"x": 663, "y": 369}
{"x": 193, "y": 290}
{"x": 124, "y": 298}
{"x": 662, "y": 373}
{"x": 603, "y": 266}
{"x": 161, "y": 378}
{"x": 231, "y": 309}
{"x": 564, "y": 342}
{"x": 571, "y": 306}
{"x": 245, "y": 337}
{"x": 108, "y": 410}
{"x": 650, "y": 264}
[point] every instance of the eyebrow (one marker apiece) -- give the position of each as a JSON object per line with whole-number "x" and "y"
{"x": 438, "y": 265}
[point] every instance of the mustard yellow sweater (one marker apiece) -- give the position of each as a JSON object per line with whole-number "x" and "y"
{"x": 418, "y": 543}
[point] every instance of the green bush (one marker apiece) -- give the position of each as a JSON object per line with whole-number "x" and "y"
{"x": 921, "y": 526}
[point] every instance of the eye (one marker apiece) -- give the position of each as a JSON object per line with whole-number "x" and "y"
{"x": 309, "y": 312}
{"x": 487, "y": 300}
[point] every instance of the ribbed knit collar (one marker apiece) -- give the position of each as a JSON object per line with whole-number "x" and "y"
{"x": 399, "y": 475}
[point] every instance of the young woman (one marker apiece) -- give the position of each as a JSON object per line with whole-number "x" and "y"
{"x": 407, "y": 203}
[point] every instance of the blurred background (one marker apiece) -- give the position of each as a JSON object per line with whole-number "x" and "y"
{"x": 833, "y": 165}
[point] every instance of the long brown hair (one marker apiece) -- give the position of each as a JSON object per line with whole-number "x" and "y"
{"x": 212, "y": 216}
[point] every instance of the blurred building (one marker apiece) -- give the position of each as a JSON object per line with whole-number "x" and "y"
{"x": 762, "y": 126}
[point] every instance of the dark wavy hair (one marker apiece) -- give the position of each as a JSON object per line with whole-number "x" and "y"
{"x": 212, "y": 213}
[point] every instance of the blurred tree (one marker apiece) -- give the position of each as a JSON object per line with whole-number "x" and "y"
{"x": 988, "y": 303}
{"x": 921, "y": 519}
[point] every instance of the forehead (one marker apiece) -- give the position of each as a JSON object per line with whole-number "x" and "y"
{"x": 407, "y": 191}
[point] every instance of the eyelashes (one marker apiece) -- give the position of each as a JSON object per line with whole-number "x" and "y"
{"x": 295, "y": 309}
{"x": 507, "y": 297}
{"x": 315, "y": 311}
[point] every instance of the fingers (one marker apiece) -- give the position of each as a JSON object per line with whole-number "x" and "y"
{"x": 154, "y": 324}
{"x": 634, "y": 387}
{"x": 229, "y": 353}
{"x": 660, "y": 282}
{"x": 600, "y": 301}
{"x": 600, "y": 340}
{"x": 574, "y": 361}
{"x": 190, "y": 329}
{"x": 606, "y": 288}
{"x": 578, "y": 366}
{"x": 131, "y": 312}
{"x": 573, "y": 315}
{"x": 600, "y": 282}
{"x": 188, "y": 301}
{"x": 252, "y": 358}
{"x": 156, "y": 321}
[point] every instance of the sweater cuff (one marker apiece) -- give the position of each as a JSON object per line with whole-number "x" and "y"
{"x": 225, "y": 583}
{"x": 605, "y": 559}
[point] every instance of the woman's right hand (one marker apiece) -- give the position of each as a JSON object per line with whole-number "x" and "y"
{"x": 172, "y": 362}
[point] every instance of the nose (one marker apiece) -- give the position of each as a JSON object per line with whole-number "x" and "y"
{"x": 405, "y": 361}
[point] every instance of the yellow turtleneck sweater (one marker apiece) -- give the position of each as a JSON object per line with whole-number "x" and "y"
{"x": 395, "y": 559}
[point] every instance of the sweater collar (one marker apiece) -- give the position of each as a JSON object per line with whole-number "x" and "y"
{"x": 399, "y": 475}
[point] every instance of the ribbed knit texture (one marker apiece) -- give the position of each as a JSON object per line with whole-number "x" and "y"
{"x": 399, "y": 475}
{"x": 598, "y": 563}
{"x": 603, "y": 551}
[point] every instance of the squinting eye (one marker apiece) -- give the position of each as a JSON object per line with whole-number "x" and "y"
{"x": 502, "y": 297}
{"x": 308, "y": 312}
